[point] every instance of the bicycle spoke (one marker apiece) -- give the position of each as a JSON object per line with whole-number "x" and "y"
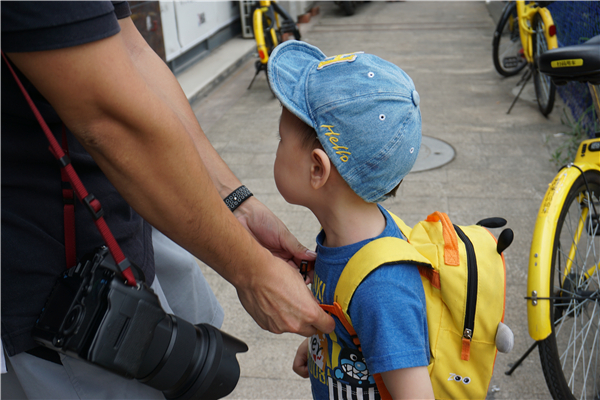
{"x": 544, "y": 88}
{"x": 582, "y": 355}
{"x": 541, "y": 48}
{"x": 576, "y": 283}
{"x": 506, "y": 46}
{"x": 574, "y": 355}
{"x": 512, "y": 49}
{"x": 589, "y": 368}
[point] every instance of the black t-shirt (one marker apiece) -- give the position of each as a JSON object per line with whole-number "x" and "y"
{"x": 33, "y": 252}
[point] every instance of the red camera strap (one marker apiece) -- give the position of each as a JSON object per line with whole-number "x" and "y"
{"x": 84, "y": 197}
{"x": 68, "y": 208}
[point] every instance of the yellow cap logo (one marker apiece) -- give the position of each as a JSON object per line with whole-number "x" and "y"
{"x": 338, "y": 59}
{"x": 341, "y": 151}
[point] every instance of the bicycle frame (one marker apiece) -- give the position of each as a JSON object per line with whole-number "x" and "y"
{"x": 525, "y": 14}
{"x": 264, "y": 9}
{"x": 271, "y": 24}
{"x": 538, "y": 279}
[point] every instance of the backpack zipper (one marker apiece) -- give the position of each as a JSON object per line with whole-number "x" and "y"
{"x": 471, "y": 285}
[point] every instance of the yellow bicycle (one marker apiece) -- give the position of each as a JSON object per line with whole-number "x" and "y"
{"x": 269, "y": 31}
{"x": 563, "y": 307}
{"x": 525, "y": 31}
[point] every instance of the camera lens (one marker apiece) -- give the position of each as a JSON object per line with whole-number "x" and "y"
{"x": 187, "y": 361}
{"x": 126, "y": 331}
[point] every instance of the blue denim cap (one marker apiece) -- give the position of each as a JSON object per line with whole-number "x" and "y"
{"x": 364, "y": 109}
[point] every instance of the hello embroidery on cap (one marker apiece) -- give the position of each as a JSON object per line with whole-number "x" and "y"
{"x": 341, "y": 150}
{"x": 338, "y": 59}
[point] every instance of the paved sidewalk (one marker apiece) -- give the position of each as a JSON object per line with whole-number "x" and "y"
{"x": 501, "y": 166}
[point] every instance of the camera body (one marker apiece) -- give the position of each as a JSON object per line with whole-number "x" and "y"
{"x": 92, "y": 315}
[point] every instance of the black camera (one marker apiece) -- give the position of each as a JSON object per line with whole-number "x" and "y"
{"x": 93, "y": 315}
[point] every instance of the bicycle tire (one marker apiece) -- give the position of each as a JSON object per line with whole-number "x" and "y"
{"x": 545, "y": 90}
{"x": 507, "y": 51}
{"x": 570, "y": 356}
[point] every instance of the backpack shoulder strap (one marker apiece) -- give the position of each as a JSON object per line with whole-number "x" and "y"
{"x": 405, "y": 229}
{"x": 382, "y": 251}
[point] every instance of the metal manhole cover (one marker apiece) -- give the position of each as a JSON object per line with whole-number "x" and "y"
{"x": 433, "y": 153}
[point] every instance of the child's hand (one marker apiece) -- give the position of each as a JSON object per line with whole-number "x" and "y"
{"x": 301, "y": 360}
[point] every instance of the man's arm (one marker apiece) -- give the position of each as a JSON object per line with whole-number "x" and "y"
{"x": 258, "y": 219}
{"x": 161, "y": 81}
{"x": 144, "y": 149}
{"x": 408, "y": 383}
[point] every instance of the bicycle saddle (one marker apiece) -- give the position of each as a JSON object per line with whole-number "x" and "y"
{"x": 579, "y": 63}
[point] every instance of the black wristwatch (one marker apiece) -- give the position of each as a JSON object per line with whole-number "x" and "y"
{"x": 237, "y": 197}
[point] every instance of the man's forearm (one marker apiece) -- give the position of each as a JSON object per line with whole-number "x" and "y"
{"x": 161, "y": 80}
{"x": 143, "y": 148}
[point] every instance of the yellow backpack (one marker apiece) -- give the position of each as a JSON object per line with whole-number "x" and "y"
{"x": 464, "y": 278}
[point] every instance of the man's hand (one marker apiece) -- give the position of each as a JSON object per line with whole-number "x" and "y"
{"x": 271, "y": 233}
{"x": 300, "y": 365}
{"x": 279, "y": 301}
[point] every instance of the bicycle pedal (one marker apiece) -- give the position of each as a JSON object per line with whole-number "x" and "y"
{"x": 510, "y": 62}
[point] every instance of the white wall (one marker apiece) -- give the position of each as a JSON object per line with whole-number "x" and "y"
{"x": 187, "y": 23}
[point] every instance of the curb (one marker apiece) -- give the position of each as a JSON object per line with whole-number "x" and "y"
{"x": 243, "y": 50}
{"x": 210, "y": 86}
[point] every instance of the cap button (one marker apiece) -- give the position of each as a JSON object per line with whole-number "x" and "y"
{"x": 416, "y": 98}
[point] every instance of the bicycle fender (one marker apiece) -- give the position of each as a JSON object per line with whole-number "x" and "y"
{"x": 548, "y": 22}
{"x": 540, "y": 255}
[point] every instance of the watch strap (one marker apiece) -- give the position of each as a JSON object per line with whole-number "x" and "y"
{"x": 237, "y": 197}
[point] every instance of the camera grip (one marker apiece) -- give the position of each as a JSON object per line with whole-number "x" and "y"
{"x": 126, "y": 332}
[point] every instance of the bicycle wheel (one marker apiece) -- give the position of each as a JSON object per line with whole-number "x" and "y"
{"x": 507, "y": 51}
{"x": 570, "y": 356}
{"x": 544, "y": 87}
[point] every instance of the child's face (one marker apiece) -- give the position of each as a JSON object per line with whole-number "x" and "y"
{"x": 292, "y": 162}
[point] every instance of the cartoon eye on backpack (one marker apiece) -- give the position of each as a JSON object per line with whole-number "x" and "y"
{"x": 457, "y": 378}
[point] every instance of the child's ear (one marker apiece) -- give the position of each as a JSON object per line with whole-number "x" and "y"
{"x": 320, "y": 168}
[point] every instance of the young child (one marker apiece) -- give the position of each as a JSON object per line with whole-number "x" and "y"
{"x": 350, "y": 132}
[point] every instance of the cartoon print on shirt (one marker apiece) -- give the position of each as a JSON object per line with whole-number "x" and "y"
{"x": 352, "y": 369}
{"x": 334, "y": 363}
{"x": 315, "y": 346}
{"x": 317, "y": 356}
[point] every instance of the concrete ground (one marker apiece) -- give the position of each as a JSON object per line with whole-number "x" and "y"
{"x": 501, "y": 167}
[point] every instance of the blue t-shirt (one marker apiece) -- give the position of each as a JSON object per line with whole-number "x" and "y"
{"x": 388, "y": 312}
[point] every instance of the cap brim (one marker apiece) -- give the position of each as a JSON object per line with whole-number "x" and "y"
{"x": 288, "y": 69}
